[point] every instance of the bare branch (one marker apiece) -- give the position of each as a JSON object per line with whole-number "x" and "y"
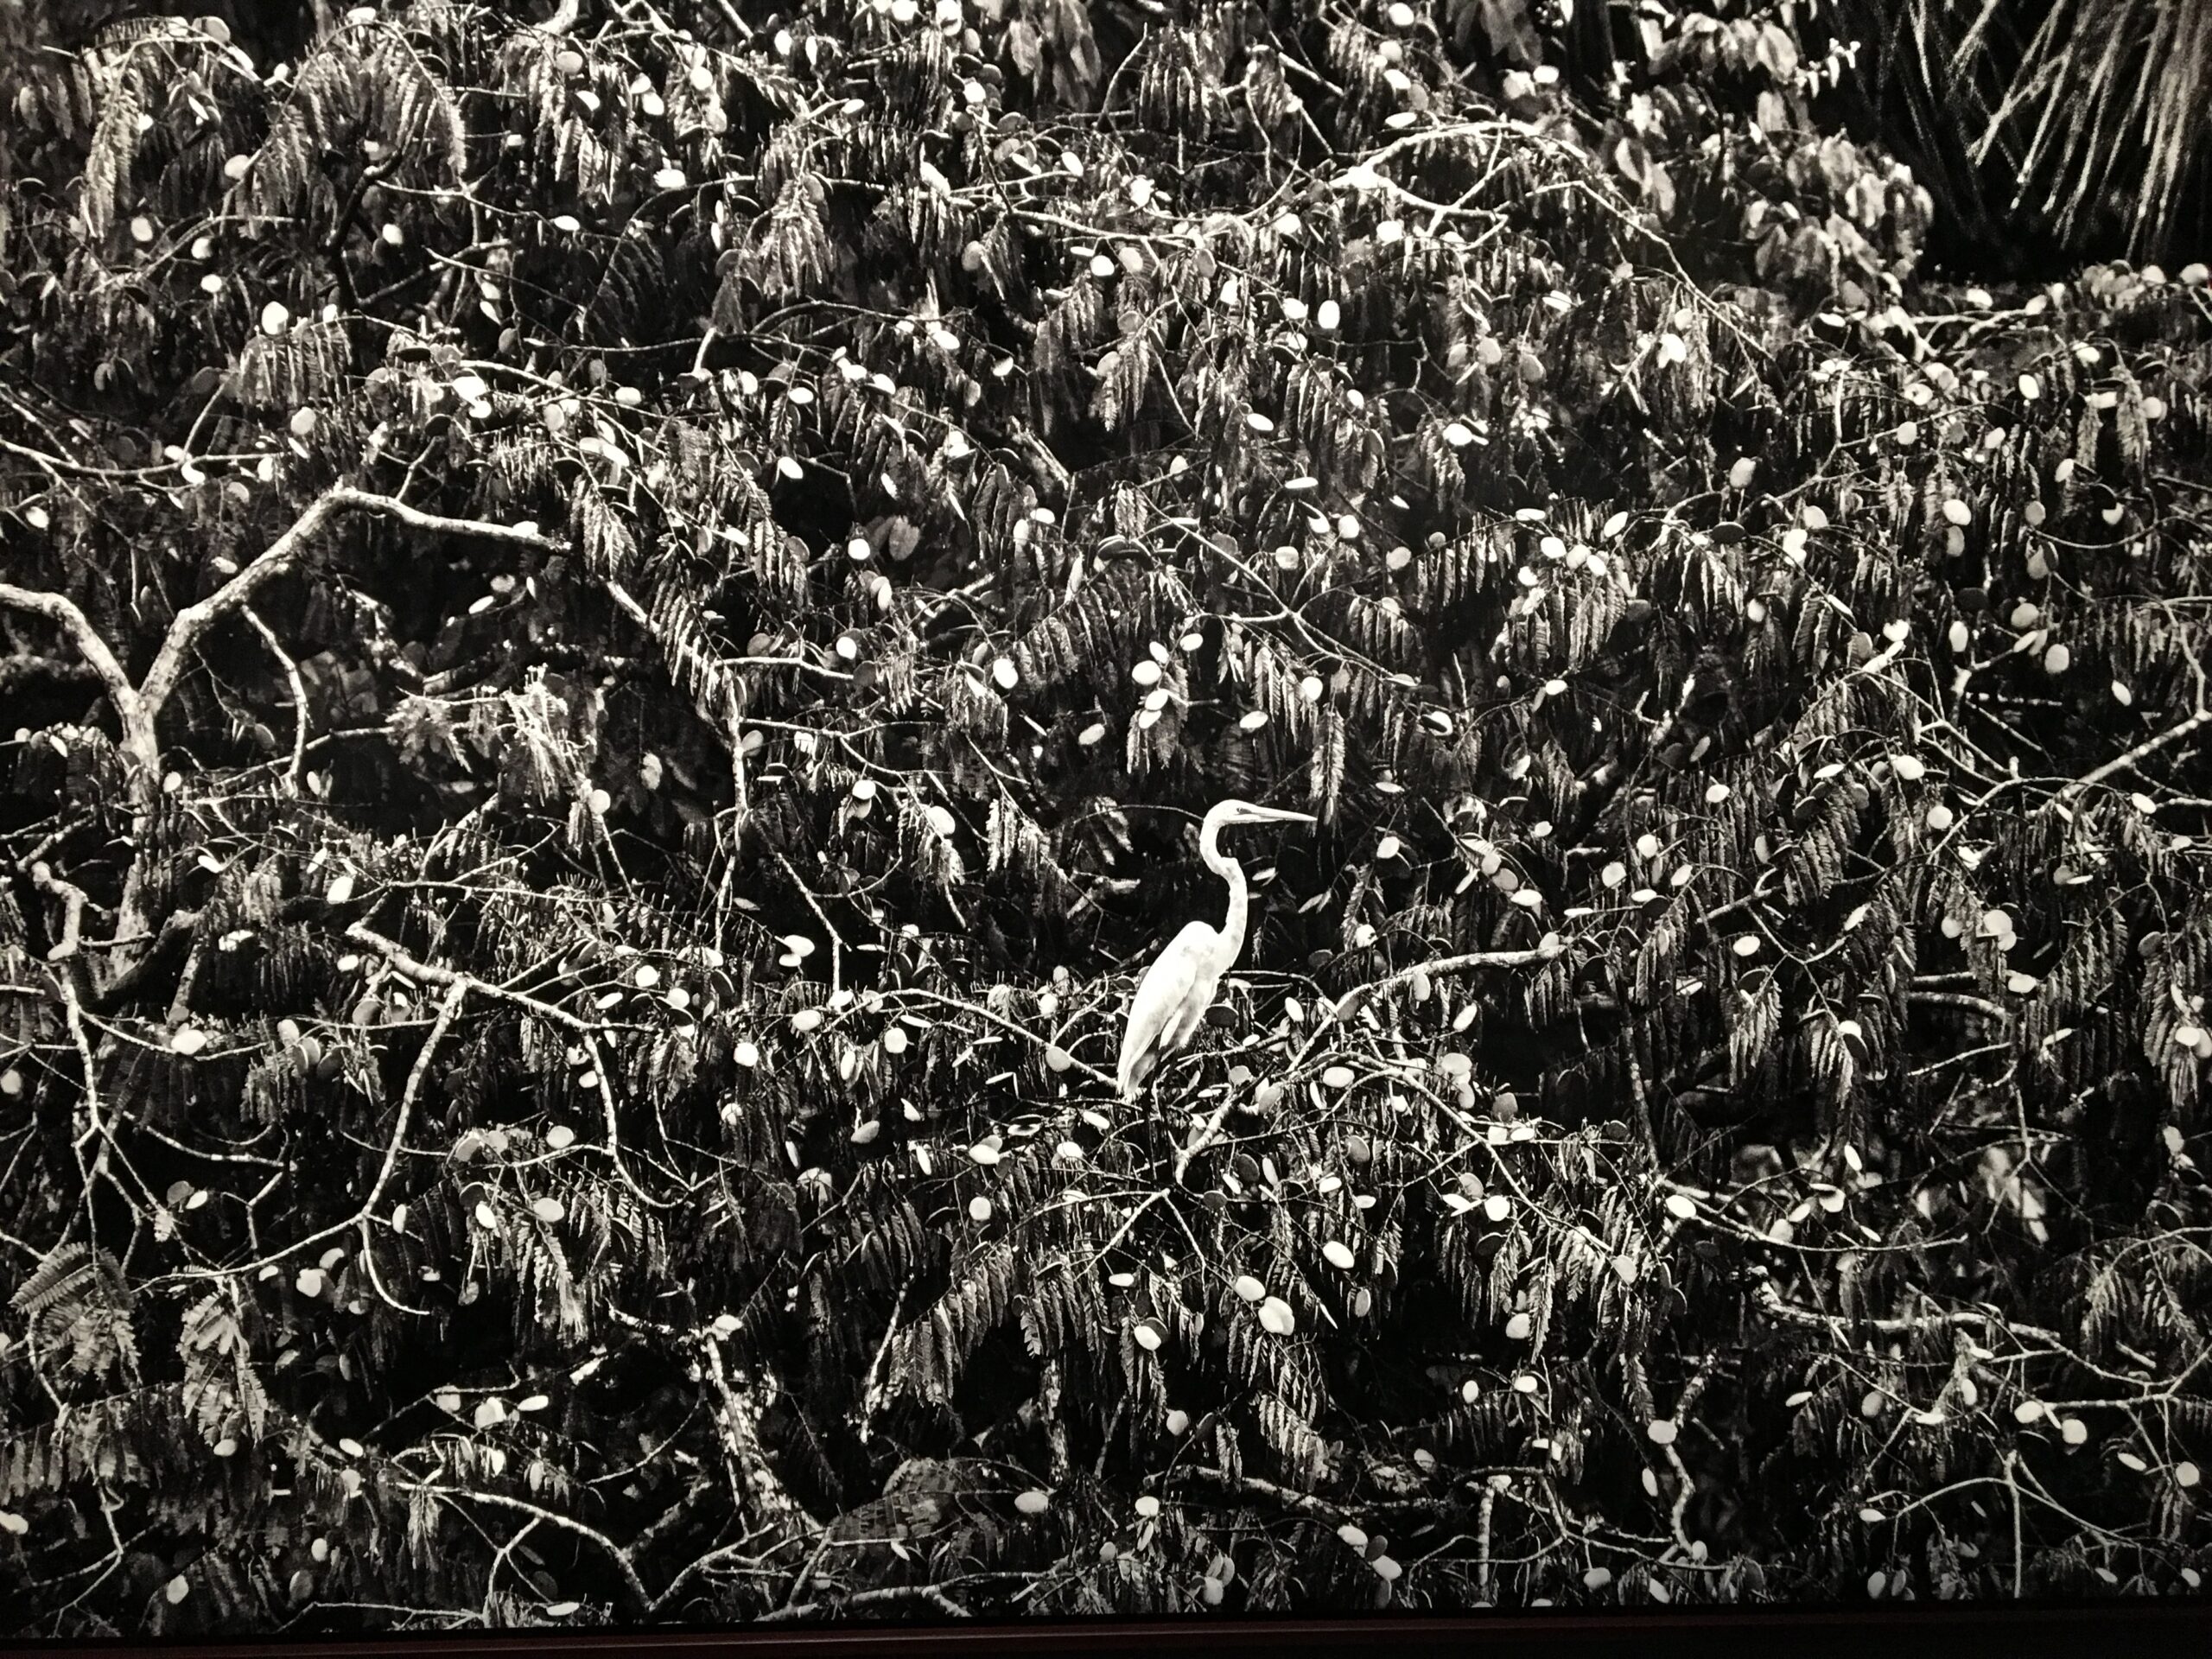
{"x": 194, "y": 620}
{"x": 73, "y": 909}
{"x": 63, "y": 612}
{"x": 2143, "y": 751}
{"x": 429, "y": 974}
{"x": 1438, "y": 967}
{"x": 284, "y": 554}
{"x": 931, "y": 1593}
{"x": 299, "y": 697}
{"x": 615, "y": 1552}
{"x": 1770, "y": 1302}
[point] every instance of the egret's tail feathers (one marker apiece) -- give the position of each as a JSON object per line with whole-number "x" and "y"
{"x": 1136, "y": 1072}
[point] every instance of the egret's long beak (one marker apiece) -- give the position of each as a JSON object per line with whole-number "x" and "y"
{"x": 1278, "y": 815}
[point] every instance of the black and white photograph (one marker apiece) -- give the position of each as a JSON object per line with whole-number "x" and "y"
{"x": 956, "y": 816}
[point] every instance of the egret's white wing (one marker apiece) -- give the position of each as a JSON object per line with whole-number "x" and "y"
{"x": 1167, "y": 985}
{"x": 1190, "y": 1014}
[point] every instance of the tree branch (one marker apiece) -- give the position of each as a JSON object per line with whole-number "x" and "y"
{"x": 284, "y": 554}
{"x": 429, "y": 974}
{"x": 2143, "y": 751}
{"x": 63, "y": 612}
{"x": 194, "y": 620}
{"x": 1841, "y": 1327}
{"x": 1437, "y": 966}
{"x": 73, "y": 909}
{"x": 456, "y": 995}
{"x": 299, "y": 697}
{"x": 615, "y": 1552}
{"x": 891, "y": 1592}
{"x": 738, "y": 1419}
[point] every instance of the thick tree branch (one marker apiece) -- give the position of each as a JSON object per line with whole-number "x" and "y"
{"x": 190, "y": 623}
{"x": 284, "y": 554}
{"x": 140, "y": 706}
{"x": 17, "y": 670}
{"x": 73, "y": 909}
{"x": 158, "y": 948}
{"x": 64, "y": 613}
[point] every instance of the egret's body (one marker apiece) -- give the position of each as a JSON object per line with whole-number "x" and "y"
{"x": 1172, "y": 998}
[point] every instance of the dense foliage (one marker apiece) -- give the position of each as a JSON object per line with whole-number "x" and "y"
{"x": 616, "y": 627}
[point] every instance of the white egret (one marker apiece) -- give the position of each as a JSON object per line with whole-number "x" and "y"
{"x": 1176, "y": 989}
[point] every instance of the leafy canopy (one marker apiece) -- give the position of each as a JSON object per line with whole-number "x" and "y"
{"x": 618, "y": 623}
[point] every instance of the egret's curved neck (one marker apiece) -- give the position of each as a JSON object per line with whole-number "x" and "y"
{"x": 1239, "y": 901}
